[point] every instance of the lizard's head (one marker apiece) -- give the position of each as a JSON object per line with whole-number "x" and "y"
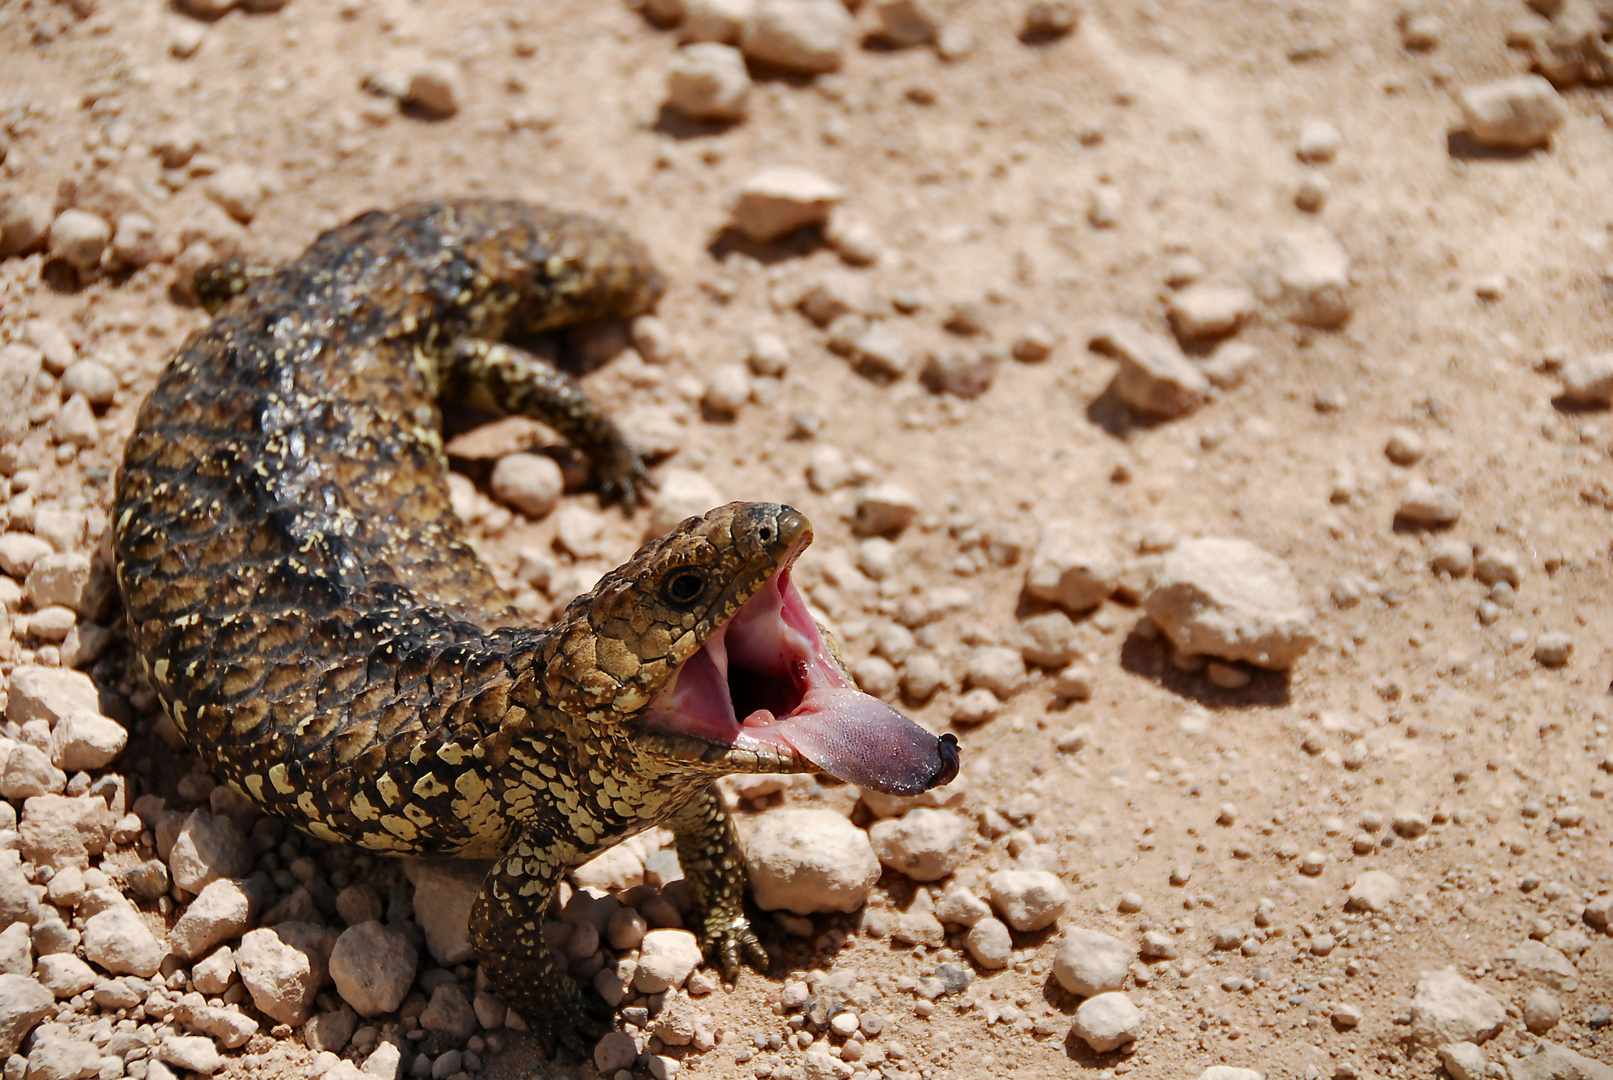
{"x": 703, "y": 644}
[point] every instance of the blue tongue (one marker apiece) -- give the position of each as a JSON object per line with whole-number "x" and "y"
{"x": 859, "y": 739}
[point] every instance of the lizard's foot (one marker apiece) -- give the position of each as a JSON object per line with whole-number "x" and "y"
{"x": 579, "y": 1022}
{"x": 735, "y": 942}
{"x": 623, "y": 477}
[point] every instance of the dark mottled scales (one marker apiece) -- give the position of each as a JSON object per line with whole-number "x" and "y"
{"x": 311, "y": 616}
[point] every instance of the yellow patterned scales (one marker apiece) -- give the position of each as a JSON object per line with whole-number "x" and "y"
{"x": 308, "y": 610}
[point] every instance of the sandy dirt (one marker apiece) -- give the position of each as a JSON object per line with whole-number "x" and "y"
{"x": 1053, "y": 184}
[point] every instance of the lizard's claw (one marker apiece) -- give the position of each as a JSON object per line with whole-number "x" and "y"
{"x": 737, "y": 942}
{"x": 624, "y": 478}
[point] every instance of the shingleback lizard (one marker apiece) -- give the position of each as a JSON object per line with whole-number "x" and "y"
{"x": 311, "y": 616}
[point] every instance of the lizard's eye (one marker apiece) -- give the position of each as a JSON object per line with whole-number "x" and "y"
{"x": 683, "y": 588}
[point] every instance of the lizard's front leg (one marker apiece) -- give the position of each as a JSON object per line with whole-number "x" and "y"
{"x": 714, "y": 865}
{"x": 506, "y": 928}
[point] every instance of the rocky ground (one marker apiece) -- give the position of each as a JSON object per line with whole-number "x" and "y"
{"x": 1203, "y": 410}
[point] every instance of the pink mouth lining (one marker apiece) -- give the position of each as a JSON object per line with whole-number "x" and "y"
{"x": 770, "y": 664}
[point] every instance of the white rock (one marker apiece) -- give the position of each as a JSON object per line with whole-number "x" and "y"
{"x": 86, "y": 741}
{"x": 1541, "y": 1011}
{"x": 612, "y": 870}
{"x": 666, "y": 960}
{"x": 996, "y": 668}
{"x": 709, "y": 81}
{"x": 1089, "y": 963}
{"x": 1464, "y": 1061}
{"x": 25, "y": 221}
{"x": 1073, "y": 567}
{"x": 926, "y": 845}
{"x": 214, "y": 973}
{"x": 808, "y": 37}
{"x": 1153, "y": 377}
{"x": 79, "y": 239}
{"x": 238, "y": 189}
{"x": 1209, "y": 311}
{"x": 28, "y": 773}
{"x": 1107, "y": 1021}
{"x": 222, "y": 910}
{"x": 1319, "y": 141}
{"x": 135, "y": 242}
{"x": 681, "y": 493}
{"x": 1588, "y": 380}
{"x": 50, "y": 694}
{"x": 1305, "y": 274}
{"x": 20, "y": 366}
{"x": 282, "y": 967}
{"x": 1028, "y": 899}
{"x": 207, "y": 848}
{"x": 373, "y": 967}
{"x": 530, "y": 484}
{"x": 884, "y": 509}
{"x": 1374, "y": 891}
{"x": 1230, "y": 1072}
{"x": 383, "y": 1063}
{"x": 989, "y": 942}
{"x": 1447, "y": 1008}
{"x": 1539, "y": 963}
{"x": 193, "y": 1052}
{"x": 1429, "y": 505}
{"x": 781, "y": 199}
{"x": 23, "y": 1003}
{"x": 1553, "y": 1062}
{"x": 1519, "y": 113}
{"x": 64, "y": 974}
{"x": 444, "y": 892}
{"x": 961, "y": 907}
{"x": 63, "y": 1056}
{"x": 118, "y": 941}
{"x": 58, "y": 579}
{"x": 727, "y": 389}
{"x": 807, "y": 861}
{"x": 1231, "y": 600}
{"x": 19, "y": 551}
{"x": 715, "y": 20}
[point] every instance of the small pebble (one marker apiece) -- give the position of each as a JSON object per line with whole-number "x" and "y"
{"x": 1553, "y": 648}
{"x": 709, "y": 81}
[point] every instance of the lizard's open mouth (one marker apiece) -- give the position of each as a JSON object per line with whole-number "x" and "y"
{"x": 767, "y": 678}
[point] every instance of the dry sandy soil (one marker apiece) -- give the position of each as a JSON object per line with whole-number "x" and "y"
{"x": 977, "y": 174}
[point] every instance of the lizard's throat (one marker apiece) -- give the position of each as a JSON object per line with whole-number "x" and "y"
{"x": 768, "y": 679}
